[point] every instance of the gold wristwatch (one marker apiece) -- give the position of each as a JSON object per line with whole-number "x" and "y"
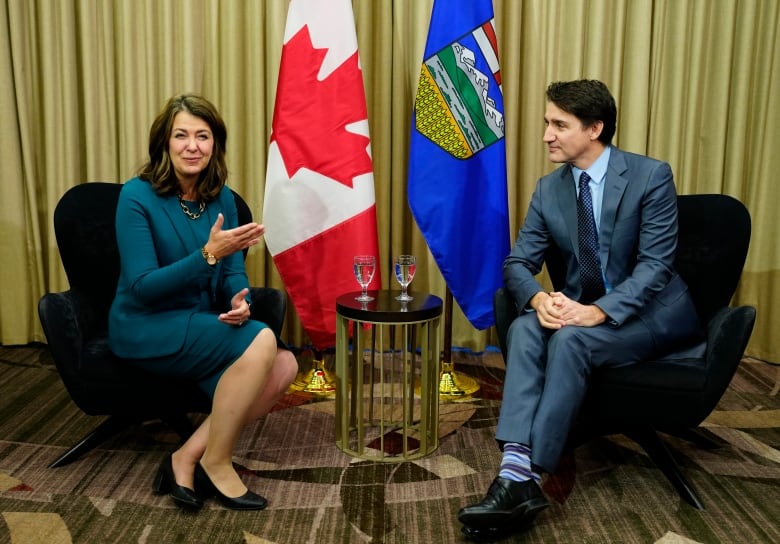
{"x": 211, "y": 259}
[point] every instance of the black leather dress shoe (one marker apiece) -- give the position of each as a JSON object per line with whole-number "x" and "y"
{"x": 247, "y": 501}
{"x": 165, "y": 482}
{"x": 507, "y": 503}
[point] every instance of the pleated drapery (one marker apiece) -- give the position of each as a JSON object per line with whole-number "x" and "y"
{"x": 697, "y": 84}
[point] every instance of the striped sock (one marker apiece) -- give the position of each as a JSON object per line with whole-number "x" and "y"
{"x": 516, "y": 464}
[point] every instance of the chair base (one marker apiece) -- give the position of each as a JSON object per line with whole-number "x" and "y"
{"x": 660, "y": 454}
{"x": 650, "y": 441}
{"x": 112, "y": 427}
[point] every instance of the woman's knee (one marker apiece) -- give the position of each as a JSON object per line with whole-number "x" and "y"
{"x": 261, "y": 350}
{"x": 264, "y": 344}
{"x": 286, "y": 365}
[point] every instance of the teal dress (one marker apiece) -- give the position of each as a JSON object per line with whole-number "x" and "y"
{"x": 164, "y": 316}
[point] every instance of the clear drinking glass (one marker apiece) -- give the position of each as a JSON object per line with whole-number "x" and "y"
{"x": 404, "y": 266}
{"x": 363, "y": 268}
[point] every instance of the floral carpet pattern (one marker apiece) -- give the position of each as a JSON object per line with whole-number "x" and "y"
{"x": 605, "y": 491}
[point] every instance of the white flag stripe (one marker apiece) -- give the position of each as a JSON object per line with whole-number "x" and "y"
{"x": 487, "y": 49}
{"x": 297, "y": 209}
{"x": 331, "y": 27}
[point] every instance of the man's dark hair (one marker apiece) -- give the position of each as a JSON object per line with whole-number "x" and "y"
{"x": 589, "y": 101}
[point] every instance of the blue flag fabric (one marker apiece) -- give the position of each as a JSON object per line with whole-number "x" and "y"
{"x": 457, "y": 159}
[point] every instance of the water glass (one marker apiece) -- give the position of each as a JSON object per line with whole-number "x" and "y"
{"x": 404, "y": 266}
{"x": 363, "y": 267}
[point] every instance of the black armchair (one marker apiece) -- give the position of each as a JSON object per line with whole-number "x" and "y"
{"x": 675, "y": 396}
{"x": 75, "y": 323}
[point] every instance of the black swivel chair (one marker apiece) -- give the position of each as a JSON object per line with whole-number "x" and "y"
{"x": 75, "y": 323}
{"x": 676, "y": 395}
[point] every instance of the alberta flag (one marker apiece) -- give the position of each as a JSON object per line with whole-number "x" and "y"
{"x": 319, "y": 208}
{"x": 457, "y": 161}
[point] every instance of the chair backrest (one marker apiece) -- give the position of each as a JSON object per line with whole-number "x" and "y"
{"x": 713, "y": 240}
{"x": 85, "y": 229}
{"x": 84, "y": 225}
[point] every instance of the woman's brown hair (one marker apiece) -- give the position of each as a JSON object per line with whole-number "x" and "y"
{"x": 159, "y": 169}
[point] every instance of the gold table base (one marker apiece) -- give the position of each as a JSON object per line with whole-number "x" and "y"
{"x": 379, "y": 415}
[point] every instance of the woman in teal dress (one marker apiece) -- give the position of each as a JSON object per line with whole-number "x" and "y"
{"x": 181, "y": 252}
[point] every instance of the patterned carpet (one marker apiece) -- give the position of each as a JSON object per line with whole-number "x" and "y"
{"x": 606, "y": 491}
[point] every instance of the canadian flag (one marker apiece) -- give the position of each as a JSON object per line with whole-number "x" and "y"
{"x": 320, "y": 209}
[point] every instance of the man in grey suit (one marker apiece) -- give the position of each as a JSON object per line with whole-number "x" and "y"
{"x": 613, "y": 215}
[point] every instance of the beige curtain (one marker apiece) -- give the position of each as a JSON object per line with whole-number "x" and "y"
{"x": 697, "y": 84}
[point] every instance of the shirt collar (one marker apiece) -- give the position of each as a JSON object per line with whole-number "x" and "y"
{"x": 597, "y": 170}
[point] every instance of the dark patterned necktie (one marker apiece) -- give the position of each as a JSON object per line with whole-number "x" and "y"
{"x": 590, "y": 265}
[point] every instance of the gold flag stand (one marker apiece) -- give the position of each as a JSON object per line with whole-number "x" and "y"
{"x": 452, "y": 385}
{"x": 317, "y": 381}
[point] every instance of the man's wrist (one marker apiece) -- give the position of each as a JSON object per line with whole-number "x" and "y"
{"x": 536, "y": 300}
{"x": 599, "y": 314}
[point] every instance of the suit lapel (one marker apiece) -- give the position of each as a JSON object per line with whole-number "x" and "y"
{"x": 567, "y": 204}
{"x": 178, "y": 220}
{"x": 615, "y": 186}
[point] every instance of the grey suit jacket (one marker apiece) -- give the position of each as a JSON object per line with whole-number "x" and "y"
{"x": 637, "y": 244}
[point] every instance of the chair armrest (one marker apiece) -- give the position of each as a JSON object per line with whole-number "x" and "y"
{"x": 269, "y": 305}
{"x": 505, "y": 311}
{"x": 728, "y": 333}
{"x": 68, "y": 320}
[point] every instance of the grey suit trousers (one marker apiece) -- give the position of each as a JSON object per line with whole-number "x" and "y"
{"x": 547, "y": 377}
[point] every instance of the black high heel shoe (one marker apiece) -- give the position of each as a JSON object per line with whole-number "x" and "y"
{"x": 247, "y": 501}
{"x": 165, "y": 482}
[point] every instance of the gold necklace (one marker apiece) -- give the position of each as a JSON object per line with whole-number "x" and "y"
{"x": 187, "y": 211}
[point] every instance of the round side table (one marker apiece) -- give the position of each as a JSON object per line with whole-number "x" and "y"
{"x": 379, "y": 416}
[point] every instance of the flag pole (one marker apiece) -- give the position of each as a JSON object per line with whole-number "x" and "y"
{"x": 452, "y": 385}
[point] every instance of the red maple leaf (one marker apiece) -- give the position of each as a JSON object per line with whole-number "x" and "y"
{"x": 310, "y": 115}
